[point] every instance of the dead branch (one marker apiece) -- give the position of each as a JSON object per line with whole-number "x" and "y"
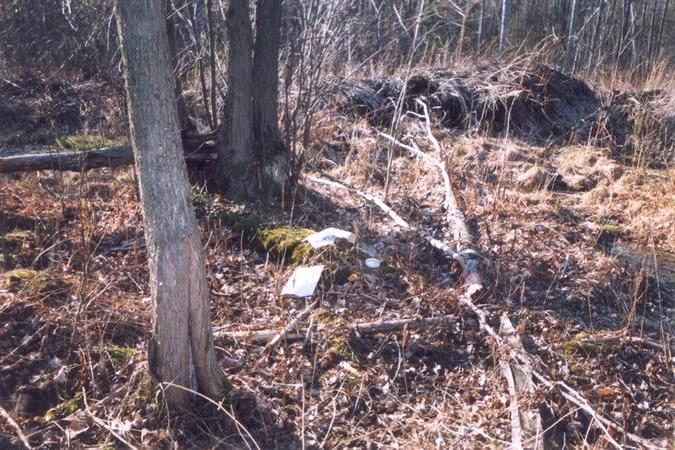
{"x": 516, "y": 355}
{"x": 465, "y": 254}
{"x": 17, "y": 428}
{"x": 614, "y": 340}
{"x": 291, "y": 325}
{"x": 82, "y": 160}
{"x": 381, "y": 326}
{"x": 566, "y": 391}
{"x": 101, "y": 423}
{"x": 526, "y": 424}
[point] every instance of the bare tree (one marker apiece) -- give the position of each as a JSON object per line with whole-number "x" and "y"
{"x": 181, "y": 349}
{"x": 571, "y": 38}
{"x": 270, "y": 147}
{"x": 504, "y": 23}
{"x": 252, "y": 160}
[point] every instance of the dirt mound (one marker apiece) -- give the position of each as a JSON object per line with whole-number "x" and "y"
{"x": 539, "y": 105}
{"x": 36, "y": 111}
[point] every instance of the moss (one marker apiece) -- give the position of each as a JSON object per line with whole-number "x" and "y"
{"x": 584, "y": 343}
{"x": 65, "y": 408}
{"x": 340, "y": 347}
{"x": 86, "y": 142}
{"x": 286, "y": 240}
{"x": 611, "y": 228}
{"x": 119, "y": 356}
{"x": 34, "y": 282}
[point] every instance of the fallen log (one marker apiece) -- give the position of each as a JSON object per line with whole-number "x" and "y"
{"x": 84, "y": 160}
{"x": 526, "y": 423}
{"x": 262, "y": 337}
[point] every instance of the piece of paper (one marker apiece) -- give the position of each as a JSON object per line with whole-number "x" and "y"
{"x": 329, "y": 236}
{"x": 303, "y": 282}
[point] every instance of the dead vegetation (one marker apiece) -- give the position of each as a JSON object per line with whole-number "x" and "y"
{"x": 576, "y": 236}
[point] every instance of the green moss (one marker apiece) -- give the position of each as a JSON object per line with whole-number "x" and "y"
{"x": 286, "y": 240}
{"x": 611, "y": 228}
{"x": 34, "y": 282}
{"x": 340, "y": 347}
{"x": 584, "y": 343}
{"x": 119, "y": 356}
{"x": 65, "y": 408}
{"x": 86, "y": 142}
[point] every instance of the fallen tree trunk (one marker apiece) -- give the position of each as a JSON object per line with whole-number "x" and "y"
{"x": 84, "y": 160}
{"x": 68, "y": 160}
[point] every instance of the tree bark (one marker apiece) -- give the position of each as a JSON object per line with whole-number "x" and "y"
{"x": 186, "y": 123}
{"x": 181, "y": 349}
{"x": 250, "y": 141}
{"x": 269, "y": 145}
{"x": 238, "y": 173}
{"x": 571, "y": 38}
{"x": 504, "y": 24}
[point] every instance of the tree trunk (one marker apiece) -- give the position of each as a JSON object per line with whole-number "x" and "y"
{"x": 186, "y": 123}
{"x": 571, "y": 38}
{"x": 504, "y": 24}
{"x": 181, "y": 349}
{"x": 270, "y": 147}
{"x": 238, "y": 173}
{"x": 659, "y": 35}
{"x": 479, "y": 31}
{"x": 593, "y": 56}
{"x": 253, "y": 160}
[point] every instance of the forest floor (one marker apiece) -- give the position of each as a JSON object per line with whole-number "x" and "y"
{"x": 579, "y": 249}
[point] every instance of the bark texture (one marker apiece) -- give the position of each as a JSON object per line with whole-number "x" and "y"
{"x": 271, "y": 148}
{"x": 253, "y": 160}
{"x": 238, "y": 174}
{"x": 181, "y": 349}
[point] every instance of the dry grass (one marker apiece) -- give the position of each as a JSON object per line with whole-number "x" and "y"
{"x": 553, "y": 269}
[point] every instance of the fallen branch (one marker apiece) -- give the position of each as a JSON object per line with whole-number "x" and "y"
{"x": 616, "y": 340}
{"x": 291, "y": 326}
{"x": 517, "y": 355}
{"x": 101, "y": 423}
{"x": 465, "y": 254}
{"x": 450, "y": 252}
{"x": 526, "y": 425}
{"x": 83, "y": 160}
{"x": 17, "y": 428}
{"x": 566, "y": 391}
{"x": 367, "y": 328}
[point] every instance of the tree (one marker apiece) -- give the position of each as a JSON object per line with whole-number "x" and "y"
{"x": 504, "y": 24}
{"x": 571, "y": 38}
{"x": 181, "y": 349}
{"x": 252, "y": 158}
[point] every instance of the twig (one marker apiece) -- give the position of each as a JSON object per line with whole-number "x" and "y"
{"x": 101, "y": 423}
{"x": 291, "y": 326}
{"x": 16, "y": 427}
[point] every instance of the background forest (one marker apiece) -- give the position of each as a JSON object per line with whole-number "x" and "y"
{"x": 507, "y": 164}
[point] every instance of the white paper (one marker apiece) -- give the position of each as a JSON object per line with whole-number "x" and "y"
{"x": 303, "y": 282}
{"x": 329, "y": 236}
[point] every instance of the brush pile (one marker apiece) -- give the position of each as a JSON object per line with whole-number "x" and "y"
{"x": 539, "y": 105}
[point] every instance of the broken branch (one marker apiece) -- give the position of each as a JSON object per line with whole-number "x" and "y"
{"x": 381, "y": 326}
